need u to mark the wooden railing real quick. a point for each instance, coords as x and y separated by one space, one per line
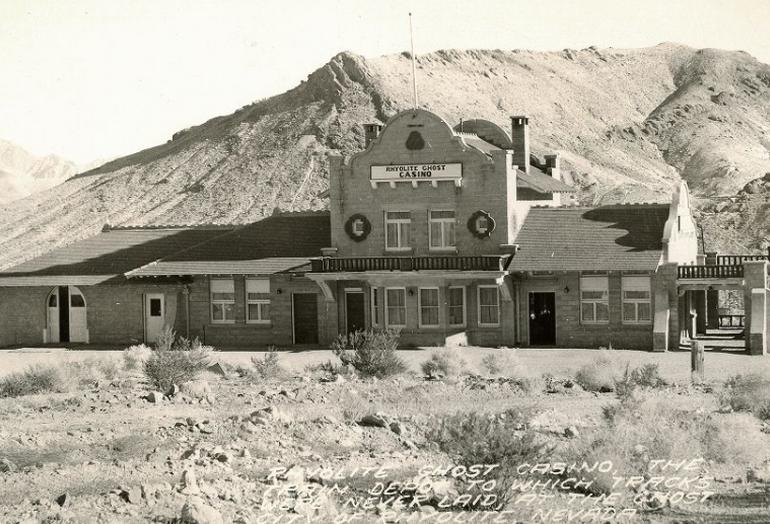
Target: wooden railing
450 263
738 260
731 321
688 272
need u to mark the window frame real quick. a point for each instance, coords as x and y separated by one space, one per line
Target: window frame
256 301
479 305
221 302
399 222
387 308
437 307
625 281
374 297
464 306
443 223
594 301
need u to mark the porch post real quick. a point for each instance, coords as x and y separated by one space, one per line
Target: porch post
712 297
665 329
755 306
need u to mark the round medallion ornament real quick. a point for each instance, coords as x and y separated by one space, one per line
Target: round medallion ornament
481 224
358 227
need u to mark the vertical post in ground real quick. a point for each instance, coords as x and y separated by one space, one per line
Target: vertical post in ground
697 361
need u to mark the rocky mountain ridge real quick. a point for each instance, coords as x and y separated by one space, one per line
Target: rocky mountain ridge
627 123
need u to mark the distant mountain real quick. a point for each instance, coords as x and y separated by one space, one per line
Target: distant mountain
627 122
22 173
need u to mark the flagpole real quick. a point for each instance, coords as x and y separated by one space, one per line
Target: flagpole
414 67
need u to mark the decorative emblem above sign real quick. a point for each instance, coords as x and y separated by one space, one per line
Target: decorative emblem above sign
415 141
414 173
358 227
481 224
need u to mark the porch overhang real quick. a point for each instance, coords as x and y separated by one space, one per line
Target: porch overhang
408 278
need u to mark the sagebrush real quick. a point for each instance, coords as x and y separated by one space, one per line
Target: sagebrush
748 392
33 380
372 353
444 362
177 362
268 366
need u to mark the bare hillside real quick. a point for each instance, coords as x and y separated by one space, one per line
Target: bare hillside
627 122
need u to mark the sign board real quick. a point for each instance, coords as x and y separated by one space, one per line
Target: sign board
415 172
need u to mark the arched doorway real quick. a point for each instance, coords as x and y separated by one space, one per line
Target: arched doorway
66 315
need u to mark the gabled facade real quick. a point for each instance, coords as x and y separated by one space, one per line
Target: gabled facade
424 223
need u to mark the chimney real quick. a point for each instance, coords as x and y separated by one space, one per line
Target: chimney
371 131
553 166
520 141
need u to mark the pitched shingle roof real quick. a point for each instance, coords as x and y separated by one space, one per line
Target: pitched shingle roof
619 237
108 255
275 244
541 182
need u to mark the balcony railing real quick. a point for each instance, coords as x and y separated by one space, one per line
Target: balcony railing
427 263
692 272
738 260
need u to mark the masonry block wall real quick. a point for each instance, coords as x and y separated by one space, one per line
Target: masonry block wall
414 335
22 315
240 334
570 331
484 186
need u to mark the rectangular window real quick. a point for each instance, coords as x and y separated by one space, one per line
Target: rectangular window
456 305
441 229
637 308
489 306
222 301
375 306
594 300
258 300
429 307
397 225
395 306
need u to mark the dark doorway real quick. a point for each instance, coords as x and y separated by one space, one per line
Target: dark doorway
542 319
354 311
305 312
64 314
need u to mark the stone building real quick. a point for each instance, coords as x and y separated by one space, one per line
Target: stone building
447 234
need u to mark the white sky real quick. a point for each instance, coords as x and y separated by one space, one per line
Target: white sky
88 79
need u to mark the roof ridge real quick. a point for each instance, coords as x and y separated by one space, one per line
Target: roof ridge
155 227
604 206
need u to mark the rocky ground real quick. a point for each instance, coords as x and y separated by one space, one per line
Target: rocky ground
310 447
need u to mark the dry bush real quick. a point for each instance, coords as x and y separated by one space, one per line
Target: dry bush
134 357
599 375
269 366
472 438
33 380
736 439
176 363
749 392
444 362
636 432
89 372
372 353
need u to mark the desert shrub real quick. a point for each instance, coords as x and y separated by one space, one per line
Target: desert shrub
749 392
184 360
480 438
268 366
648 376
598 375
89 372
444 362
735 438
135 356
33 380
372 353
491 363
